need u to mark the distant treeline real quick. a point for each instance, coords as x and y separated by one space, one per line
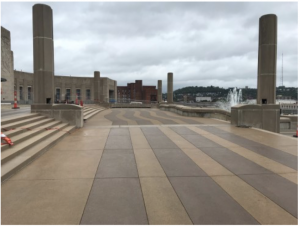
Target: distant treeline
218 93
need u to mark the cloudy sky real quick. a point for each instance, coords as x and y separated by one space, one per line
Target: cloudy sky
202 43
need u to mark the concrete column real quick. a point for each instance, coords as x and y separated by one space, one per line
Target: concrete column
25 90
159 91
170 88
43 54
63 90
83 91
96 86
267 56
115 91
104 91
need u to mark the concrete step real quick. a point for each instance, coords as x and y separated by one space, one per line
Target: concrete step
87 112
91 114
19 122
19 117
27 127
27 135
16 150
12 166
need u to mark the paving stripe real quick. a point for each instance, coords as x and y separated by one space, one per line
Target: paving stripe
154 114
269 152
267 163
187 120
199 119
286 144
121 117
146 113
264 210
115 201
162 204
114 119
137 114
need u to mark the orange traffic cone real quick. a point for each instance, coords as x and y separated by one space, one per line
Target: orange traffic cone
15 101
6 140
296 133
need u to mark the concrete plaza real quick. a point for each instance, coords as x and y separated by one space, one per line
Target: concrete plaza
146 166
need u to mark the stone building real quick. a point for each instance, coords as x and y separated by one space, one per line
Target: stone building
137 92
7 67
66 88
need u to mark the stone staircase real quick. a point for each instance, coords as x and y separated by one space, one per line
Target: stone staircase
91 110
32 135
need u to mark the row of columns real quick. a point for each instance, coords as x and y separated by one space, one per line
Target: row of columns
169 91
44 60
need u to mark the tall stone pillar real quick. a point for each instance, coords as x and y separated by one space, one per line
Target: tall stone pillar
170 88
43 54
267 56
159 91
96 86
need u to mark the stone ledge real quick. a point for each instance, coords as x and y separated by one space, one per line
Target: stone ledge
71 114
197 111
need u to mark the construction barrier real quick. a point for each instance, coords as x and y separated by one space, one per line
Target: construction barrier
15 102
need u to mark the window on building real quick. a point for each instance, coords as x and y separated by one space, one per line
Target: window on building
57 95
29 93
88 94
21 92
68 94
78 94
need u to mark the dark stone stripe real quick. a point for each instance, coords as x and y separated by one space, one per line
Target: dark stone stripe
117 163
269 152
114 119
277 188
130 115
177 163
282 190
183 131
115 201
157 139
146 114
188 121
207 203
118 142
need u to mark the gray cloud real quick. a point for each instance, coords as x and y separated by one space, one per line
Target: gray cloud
202 43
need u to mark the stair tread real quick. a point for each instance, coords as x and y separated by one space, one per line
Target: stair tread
26 155
90 115
17 123
15 148
23 135
89 112
23 116
29 126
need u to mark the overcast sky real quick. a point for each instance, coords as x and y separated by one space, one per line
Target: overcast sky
202 43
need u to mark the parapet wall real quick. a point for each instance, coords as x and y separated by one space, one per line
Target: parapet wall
71 114
266 117
196 111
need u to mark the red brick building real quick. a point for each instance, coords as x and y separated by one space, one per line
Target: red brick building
137 92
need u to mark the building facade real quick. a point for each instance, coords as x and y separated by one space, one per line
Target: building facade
136 92
66 88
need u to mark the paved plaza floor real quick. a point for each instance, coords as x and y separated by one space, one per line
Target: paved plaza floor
146 166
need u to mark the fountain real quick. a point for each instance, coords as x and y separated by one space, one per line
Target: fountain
234 98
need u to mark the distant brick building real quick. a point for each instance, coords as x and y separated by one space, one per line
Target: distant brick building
136 92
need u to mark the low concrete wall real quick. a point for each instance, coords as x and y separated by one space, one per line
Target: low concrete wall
128 105
71 114
266 117
289 121
197 112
